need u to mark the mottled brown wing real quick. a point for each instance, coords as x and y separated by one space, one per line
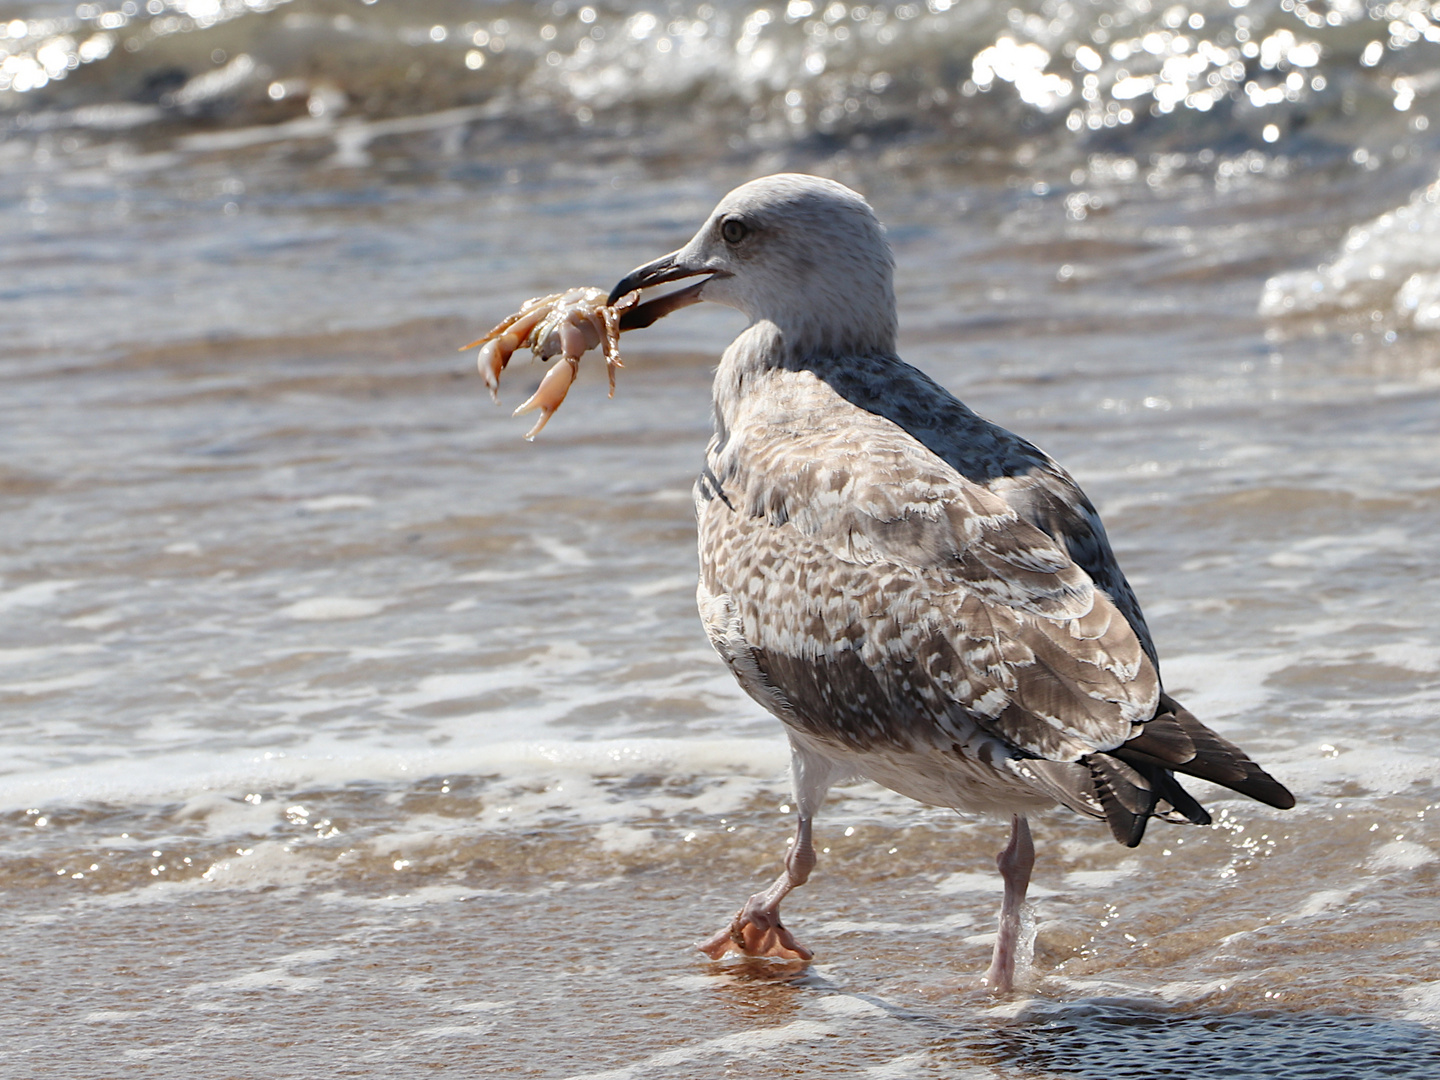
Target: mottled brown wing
888 591
1048 498
1026 478
899 570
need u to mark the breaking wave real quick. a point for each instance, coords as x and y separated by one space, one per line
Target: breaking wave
747 73
1392 262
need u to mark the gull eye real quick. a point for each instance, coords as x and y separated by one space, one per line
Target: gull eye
733 230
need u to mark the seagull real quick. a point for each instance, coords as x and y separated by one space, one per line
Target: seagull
921 597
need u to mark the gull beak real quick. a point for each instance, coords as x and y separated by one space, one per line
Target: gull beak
664 269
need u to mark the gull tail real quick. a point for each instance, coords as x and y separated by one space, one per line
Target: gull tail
1175 740
1134 782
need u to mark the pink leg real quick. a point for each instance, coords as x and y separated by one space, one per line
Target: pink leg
1015 862
756 929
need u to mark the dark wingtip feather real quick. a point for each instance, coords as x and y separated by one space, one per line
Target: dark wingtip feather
1176 740
1134 782
1273 794
1127 797
1180 800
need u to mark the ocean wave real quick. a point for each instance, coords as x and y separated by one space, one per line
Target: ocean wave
1390 263
745 73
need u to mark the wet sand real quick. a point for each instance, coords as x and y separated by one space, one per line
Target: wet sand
562 951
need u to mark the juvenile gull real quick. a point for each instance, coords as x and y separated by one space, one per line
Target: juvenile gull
921 597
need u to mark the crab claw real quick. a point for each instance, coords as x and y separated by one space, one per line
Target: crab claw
551 392
499 344
491 361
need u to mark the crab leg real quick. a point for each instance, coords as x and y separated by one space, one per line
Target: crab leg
610 339
574 341
610 345
530 307
551 392
497 346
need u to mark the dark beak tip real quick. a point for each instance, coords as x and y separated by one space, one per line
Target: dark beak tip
659 272
638 278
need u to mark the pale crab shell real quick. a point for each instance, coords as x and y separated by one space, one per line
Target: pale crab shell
567 325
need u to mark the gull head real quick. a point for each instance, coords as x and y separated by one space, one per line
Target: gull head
803 253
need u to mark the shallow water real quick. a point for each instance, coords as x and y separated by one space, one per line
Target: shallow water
348 732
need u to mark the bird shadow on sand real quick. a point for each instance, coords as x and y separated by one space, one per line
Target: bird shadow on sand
1128 1039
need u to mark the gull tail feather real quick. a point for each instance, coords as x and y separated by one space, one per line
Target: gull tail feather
1125 794
1175 740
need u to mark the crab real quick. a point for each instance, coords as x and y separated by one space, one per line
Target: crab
566 324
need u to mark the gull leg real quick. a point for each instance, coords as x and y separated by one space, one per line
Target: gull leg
1015 863
756 929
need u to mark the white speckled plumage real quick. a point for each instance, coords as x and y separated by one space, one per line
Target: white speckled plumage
920 596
